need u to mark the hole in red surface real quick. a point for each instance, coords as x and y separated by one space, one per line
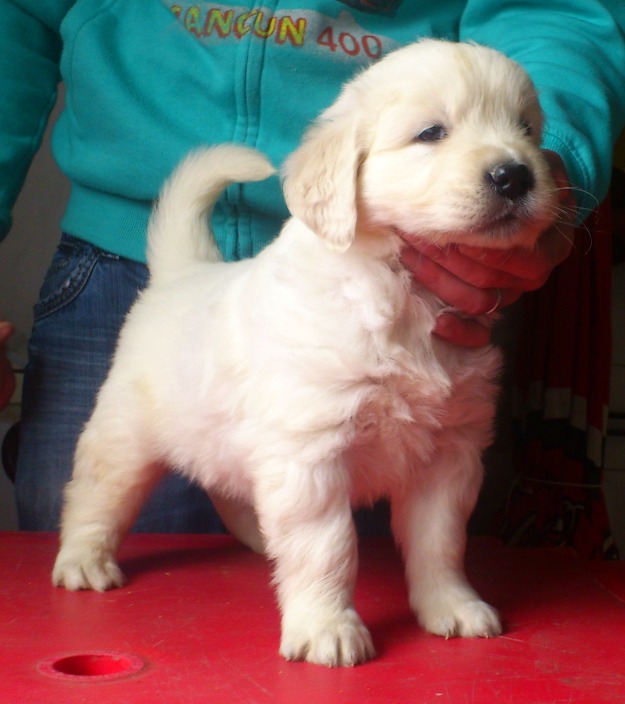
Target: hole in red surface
92 666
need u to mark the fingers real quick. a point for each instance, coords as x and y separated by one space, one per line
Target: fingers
466 297
479 281
465 332
521 269
478 266
470 285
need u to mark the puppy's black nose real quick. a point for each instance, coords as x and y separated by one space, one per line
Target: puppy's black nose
511 180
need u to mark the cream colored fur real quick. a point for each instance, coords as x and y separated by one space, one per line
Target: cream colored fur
306 380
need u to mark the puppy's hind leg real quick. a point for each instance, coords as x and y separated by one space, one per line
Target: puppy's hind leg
112 478
306 520
429 524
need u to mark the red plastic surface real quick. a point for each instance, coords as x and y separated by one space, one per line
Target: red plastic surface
197 622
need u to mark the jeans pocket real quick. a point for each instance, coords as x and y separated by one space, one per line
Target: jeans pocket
67 275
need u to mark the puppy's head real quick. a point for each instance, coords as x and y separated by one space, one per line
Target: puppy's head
437 140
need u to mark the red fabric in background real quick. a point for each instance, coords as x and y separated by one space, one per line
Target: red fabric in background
565 352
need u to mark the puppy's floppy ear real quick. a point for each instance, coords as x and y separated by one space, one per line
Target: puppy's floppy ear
320 180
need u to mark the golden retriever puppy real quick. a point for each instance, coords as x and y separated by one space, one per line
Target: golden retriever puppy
306 381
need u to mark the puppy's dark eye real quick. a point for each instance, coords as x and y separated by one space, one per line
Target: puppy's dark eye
435 133
526 127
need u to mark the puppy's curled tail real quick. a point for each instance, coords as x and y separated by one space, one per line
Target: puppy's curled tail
178 231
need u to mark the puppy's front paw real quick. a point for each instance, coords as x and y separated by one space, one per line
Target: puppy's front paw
90 570
342 640
451 615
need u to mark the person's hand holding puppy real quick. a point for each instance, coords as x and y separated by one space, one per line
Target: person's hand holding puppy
477 280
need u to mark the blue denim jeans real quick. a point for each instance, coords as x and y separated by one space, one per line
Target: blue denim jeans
84 299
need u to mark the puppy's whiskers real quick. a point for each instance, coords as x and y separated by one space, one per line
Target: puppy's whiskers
565 218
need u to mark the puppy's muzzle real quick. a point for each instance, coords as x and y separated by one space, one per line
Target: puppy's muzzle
510 180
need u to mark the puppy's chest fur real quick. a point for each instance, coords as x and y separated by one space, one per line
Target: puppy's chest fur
437 404
405 396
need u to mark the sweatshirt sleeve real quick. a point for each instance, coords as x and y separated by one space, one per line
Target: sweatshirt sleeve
574 51
30 49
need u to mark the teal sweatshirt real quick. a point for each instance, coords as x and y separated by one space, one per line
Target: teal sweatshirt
148 80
